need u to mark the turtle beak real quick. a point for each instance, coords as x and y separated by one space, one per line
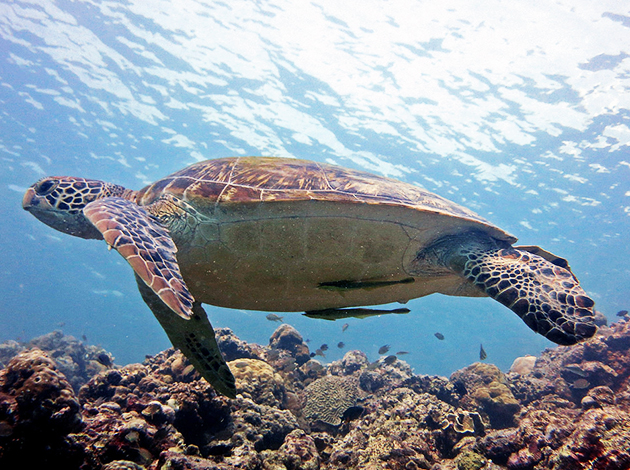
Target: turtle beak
29 200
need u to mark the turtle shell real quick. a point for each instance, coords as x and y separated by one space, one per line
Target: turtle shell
282 234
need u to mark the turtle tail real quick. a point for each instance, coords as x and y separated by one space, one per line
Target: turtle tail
547 297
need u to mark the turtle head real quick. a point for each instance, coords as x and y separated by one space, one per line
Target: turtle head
58 201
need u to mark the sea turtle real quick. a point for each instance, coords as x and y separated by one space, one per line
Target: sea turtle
280 234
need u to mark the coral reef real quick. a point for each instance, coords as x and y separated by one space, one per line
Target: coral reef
76 360
569 408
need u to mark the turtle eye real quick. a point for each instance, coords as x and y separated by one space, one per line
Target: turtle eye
45 187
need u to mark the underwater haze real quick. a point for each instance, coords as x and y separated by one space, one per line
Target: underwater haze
519 111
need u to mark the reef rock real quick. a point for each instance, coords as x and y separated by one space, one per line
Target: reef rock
286 337
488 393
38 411
523 365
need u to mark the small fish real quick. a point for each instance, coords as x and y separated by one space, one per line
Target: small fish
622 313
439 336
344 327
373 365
61 324
6 429
324 347
274 317
273 355
319 352
287 364
482 353
383 349
104 359
577 370
352 413
390 359
581 383
84 338
402 353
341 344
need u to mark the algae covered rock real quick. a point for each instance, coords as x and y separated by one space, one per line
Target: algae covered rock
298 451
469 460
488 393
257 379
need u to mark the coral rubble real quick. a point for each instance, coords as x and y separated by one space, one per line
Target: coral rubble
64 402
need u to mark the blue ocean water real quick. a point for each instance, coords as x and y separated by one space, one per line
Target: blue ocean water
520 114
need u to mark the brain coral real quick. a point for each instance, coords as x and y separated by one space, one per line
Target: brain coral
329 397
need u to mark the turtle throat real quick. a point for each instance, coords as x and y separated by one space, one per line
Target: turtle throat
451 253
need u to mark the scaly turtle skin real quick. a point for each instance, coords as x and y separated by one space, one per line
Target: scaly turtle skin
291 235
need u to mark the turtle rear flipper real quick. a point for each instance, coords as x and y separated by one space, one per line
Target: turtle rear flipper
194 338
146 245
546 296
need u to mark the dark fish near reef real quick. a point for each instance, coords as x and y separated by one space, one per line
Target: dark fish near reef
352 413
439 336
319 352
344 327
577 370
273 354
339 313
274 317
581 384
5 429
390 359
104 359
324 347
622 313
341 344
402 353
383 349
286 364
482 353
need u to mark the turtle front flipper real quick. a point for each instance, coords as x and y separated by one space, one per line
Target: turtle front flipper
547 297
194 338
146 245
